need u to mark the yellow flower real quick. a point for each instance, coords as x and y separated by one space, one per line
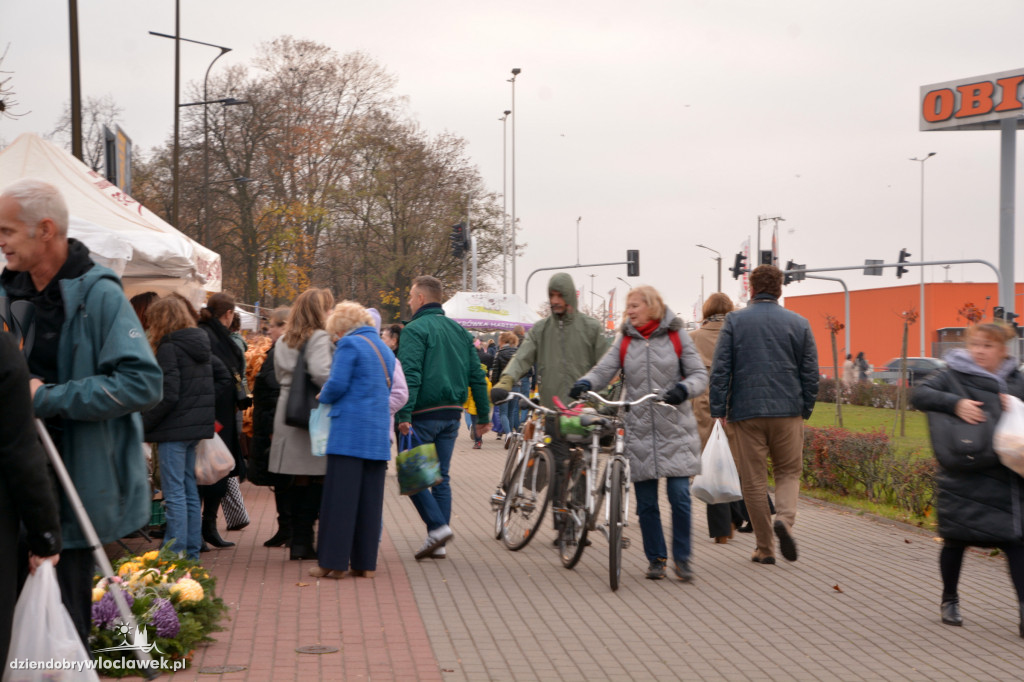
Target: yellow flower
188 590
150 556
97 593
128 567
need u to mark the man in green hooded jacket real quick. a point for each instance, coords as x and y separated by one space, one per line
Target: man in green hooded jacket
564 346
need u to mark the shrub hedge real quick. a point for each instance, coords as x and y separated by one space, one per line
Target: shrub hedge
866 394
865 464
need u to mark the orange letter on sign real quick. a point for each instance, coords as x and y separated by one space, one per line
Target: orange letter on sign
938 105
975 99
1009 87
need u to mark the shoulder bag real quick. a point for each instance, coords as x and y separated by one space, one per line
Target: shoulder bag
302 394
959 446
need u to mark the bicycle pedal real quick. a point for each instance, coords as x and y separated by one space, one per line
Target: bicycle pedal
497 500
625 543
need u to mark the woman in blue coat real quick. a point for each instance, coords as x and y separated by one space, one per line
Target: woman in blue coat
359 445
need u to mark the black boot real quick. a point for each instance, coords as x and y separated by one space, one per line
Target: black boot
283 536
305 509
1021 630
211 535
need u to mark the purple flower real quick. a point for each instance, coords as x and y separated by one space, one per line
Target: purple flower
165 619
105 610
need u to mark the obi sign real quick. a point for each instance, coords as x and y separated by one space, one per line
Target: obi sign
978 103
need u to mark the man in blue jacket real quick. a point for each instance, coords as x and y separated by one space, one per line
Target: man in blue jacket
764 380
92 372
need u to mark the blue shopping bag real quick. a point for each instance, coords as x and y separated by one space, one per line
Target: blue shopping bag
417 465
319 429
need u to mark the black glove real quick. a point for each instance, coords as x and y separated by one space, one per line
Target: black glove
579 388
498 394
677 394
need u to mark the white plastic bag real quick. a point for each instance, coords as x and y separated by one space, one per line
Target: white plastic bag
717 481
214 460
43 636
1008 441
320 429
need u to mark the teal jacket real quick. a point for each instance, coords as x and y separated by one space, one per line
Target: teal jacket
441 366
107 375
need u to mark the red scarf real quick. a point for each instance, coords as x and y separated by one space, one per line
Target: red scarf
647 329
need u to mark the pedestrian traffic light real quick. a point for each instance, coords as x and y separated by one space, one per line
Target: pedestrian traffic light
632 263
788 275
766 257
904 255
739 267
459 239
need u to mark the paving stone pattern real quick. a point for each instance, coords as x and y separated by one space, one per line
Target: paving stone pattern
486 613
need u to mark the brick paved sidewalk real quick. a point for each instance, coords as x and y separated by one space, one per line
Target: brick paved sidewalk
489 614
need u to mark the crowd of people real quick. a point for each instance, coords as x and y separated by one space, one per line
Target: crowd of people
105 375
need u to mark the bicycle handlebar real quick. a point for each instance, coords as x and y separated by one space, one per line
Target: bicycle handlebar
525 399
623 403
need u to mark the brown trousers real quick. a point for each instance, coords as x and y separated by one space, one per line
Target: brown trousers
753 442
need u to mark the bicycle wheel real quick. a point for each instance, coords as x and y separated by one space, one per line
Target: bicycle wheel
527 499
507 474
573 538
616 520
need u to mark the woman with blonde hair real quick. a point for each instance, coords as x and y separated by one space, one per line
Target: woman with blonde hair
290 450
182 418
358 447
661 441
978 505
509 343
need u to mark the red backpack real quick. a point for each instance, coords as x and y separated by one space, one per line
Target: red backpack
624 346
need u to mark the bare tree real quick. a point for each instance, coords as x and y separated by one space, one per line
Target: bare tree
96 113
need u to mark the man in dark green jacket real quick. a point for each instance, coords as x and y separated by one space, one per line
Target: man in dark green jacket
564 346
441 367
92 373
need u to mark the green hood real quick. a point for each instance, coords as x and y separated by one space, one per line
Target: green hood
563 284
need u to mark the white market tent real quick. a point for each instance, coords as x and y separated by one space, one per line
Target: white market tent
146 251
484 311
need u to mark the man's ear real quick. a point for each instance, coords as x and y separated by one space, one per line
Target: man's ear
46 230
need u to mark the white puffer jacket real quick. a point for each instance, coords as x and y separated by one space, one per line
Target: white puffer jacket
661 440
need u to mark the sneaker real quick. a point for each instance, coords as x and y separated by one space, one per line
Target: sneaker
787 546
656 571
683 571
439 553
435 538
477 445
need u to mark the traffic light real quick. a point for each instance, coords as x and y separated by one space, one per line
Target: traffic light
632 263
904 255
788 275
739 267
766 257
460 240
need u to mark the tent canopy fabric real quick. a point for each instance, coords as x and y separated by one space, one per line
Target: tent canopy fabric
484 311
123 234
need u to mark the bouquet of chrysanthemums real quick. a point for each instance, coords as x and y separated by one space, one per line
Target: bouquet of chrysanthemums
172 601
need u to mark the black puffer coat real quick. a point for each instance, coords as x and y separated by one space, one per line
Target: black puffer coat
984 508
232 360
186 411
501 359
265 391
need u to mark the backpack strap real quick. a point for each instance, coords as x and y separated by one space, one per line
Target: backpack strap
673 334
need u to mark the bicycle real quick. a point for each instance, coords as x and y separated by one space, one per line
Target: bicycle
521 498
582 494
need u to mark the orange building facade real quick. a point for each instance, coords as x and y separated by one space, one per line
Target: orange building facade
876 327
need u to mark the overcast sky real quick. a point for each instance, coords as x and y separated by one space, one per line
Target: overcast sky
662 124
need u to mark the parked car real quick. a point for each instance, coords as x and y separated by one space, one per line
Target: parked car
918 369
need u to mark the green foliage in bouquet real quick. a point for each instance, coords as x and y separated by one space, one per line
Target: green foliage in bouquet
172 600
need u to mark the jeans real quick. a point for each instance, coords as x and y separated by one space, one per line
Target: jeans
650 517
435 504
506 416
521 411
181 497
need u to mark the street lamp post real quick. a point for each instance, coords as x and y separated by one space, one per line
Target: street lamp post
719 259
177 106
624 282
504 203
924 353
512 236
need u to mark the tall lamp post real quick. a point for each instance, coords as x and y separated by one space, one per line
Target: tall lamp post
924 353
504 203
512 236
206 142
719 259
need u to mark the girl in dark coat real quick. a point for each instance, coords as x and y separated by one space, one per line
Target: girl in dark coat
182 418
215 319
983 508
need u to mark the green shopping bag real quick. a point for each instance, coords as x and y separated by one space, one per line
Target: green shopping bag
418 466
